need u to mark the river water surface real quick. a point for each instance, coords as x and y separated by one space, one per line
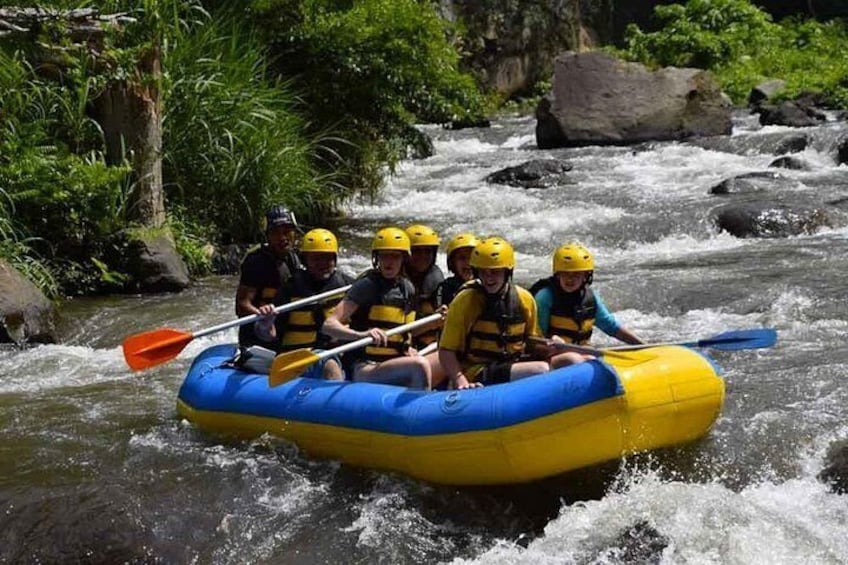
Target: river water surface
96 467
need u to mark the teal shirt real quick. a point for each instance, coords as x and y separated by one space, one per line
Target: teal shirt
604 320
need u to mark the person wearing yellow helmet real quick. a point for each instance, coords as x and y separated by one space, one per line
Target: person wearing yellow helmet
489 323
425 275
301 328
569 309
459 264
264 270
381 299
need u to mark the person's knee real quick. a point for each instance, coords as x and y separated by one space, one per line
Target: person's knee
565 359
423 372
332 371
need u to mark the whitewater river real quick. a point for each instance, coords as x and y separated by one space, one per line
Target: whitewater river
95 466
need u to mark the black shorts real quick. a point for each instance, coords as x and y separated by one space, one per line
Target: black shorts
495 373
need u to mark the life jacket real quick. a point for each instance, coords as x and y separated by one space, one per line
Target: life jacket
448 289
285 268
500 331
301 328
392 307
572 313
274 274
426 293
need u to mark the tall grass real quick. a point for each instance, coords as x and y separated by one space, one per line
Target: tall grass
234 143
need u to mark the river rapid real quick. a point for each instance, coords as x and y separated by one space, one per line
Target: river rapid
95 466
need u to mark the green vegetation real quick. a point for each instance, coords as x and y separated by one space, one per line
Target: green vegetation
243 127
743 47
368 70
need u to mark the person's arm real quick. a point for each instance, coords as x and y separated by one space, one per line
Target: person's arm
453 369
336 326
628 336
244 301
265 328
607 323
537 347
452 341
544 300
249 284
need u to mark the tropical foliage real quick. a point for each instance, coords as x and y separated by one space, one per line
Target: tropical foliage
367 71
743 47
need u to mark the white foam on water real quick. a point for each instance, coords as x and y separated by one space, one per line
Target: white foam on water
518 141
387 518
455 149
797 521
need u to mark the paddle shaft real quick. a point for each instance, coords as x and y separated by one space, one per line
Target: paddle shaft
278 310
369 340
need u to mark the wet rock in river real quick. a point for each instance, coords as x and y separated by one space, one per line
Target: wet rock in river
842 151
538 173
791 114
26 315
835 473
748 183
764 219
790 162
792 144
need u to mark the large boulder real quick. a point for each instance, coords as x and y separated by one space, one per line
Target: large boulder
26 315
153 262
764 219
599 100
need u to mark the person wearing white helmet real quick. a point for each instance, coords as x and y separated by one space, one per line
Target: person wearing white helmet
569 308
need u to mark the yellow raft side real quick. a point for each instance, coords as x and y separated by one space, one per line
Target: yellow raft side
672 396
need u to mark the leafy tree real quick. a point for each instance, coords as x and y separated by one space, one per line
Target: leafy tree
368 70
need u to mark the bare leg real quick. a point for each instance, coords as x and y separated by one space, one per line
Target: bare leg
411 372
332 371
568 358
437 373
528 369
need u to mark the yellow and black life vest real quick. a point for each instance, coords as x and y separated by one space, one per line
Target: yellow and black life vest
262 270
426 304
391 306
300 328
572 313
500 331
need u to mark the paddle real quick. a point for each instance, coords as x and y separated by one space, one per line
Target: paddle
155 347
728 341
289 365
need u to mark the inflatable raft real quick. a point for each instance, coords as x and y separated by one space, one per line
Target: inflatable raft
529 429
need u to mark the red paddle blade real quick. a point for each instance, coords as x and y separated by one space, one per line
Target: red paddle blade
152 348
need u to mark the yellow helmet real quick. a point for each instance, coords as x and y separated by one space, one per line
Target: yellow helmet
391 239
422 236
462 241
319 241
572 257
493 253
